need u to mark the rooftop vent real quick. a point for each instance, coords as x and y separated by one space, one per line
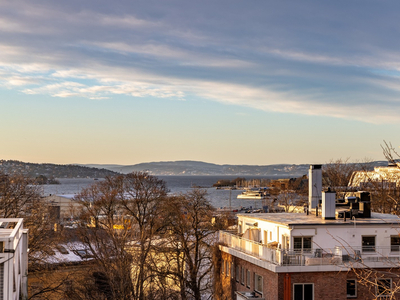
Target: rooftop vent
328 205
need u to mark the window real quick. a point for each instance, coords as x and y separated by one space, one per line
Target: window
248 279
395 243
383 287
302 243
237 273
303 291
351 288
83 253
368 243
227 269
223 267
242 277
62 249
258 283
232 270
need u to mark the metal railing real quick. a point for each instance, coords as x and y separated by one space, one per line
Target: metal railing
341 255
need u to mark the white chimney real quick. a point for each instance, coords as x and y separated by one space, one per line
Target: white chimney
314 185
328 204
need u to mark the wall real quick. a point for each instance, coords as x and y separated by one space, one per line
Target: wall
327 285
230 285
327 237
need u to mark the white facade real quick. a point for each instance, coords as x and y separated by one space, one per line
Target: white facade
289 242
388 175
66 206
13 259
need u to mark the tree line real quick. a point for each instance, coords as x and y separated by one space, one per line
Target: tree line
142 243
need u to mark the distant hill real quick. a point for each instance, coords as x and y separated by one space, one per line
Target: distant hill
52 170
185 167
202 168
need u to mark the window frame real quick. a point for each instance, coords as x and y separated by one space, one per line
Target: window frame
355 288
256 282
237 277
302 249
394 246
386 292
368 248
303 284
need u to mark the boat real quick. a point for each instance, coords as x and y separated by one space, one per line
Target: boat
261 193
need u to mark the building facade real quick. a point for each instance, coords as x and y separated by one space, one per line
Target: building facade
335 251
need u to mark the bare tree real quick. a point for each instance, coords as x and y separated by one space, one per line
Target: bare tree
188 218
289 199
391 154
338 174
123 215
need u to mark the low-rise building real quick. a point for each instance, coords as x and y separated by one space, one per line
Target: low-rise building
64 208
322 254
386 177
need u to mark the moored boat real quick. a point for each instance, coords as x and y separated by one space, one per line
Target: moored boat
261 193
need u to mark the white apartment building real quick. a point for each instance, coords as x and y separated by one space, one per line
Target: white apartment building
319 255
13 259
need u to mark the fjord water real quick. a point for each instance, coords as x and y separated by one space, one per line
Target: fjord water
176 185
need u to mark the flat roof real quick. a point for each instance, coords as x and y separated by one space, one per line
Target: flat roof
289 219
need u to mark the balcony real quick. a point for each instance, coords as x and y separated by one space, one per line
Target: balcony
309 257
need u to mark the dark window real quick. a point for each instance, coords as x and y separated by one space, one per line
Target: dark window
395 243
383 287
62 249
223 267
83 253
237 273
258 283
303 291
302 243
368 243
242 277
248 279
351 288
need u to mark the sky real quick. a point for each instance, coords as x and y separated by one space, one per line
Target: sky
226 82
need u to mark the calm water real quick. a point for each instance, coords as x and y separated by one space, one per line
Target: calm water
176 184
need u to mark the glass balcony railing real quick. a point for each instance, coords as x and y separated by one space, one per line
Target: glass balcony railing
309 257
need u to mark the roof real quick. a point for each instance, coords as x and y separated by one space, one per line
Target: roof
68 196
73 252
293 219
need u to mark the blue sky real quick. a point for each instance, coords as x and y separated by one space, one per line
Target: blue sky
227 82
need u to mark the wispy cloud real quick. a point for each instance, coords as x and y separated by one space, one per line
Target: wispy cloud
246 55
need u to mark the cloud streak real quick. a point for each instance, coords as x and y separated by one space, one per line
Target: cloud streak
312 65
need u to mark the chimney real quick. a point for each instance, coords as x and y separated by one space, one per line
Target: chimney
365 203
314 185
328 205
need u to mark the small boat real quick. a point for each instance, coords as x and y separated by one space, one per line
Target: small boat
254 194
